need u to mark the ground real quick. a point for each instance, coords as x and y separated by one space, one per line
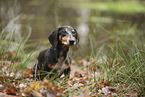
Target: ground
82 83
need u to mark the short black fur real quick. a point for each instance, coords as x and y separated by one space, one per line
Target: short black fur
51 61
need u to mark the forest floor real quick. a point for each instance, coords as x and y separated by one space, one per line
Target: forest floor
84 81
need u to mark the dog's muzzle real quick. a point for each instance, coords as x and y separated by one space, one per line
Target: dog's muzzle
71 42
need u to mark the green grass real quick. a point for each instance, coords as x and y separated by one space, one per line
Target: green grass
14 52
123 67
118 62
122 61
125 70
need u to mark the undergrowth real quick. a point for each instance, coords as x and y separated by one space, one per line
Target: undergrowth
114 69
125 70
121 63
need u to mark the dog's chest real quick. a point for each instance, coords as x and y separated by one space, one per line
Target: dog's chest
61 64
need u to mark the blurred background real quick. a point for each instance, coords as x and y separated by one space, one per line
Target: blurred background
100 23
111 48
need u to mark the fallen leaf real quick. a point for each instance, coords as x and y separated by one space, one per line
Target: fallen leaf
30 73
55 88
11 92
28 90
106 83
36 94
34 86
113 89
48 84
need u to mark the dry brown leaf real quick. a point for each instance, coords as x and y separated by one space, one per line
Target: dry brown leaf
30 73
113 89
106 83
59 94
11 92
55 88
2 78
37 85
36 94
28 90
11 86
77 74
34 86
5 95
48 84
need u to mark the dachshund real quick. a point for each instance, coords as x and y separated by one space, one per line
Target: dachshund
55 61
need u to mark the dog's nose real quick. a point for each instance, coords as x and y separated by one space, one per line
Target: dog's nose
71 42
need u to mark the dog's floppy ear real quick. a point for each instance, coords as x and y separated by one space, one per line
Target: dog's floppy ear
77 39
53 38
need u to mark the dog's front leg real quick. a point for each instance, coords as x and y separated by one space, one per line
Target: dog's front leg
67 72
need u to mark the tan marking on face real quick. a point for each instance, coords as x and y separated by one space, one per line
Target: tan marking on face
65 40
73 30
66 29
60 37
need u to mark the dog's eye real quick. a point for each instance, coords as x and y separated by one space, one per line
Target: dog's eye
74 33
63 33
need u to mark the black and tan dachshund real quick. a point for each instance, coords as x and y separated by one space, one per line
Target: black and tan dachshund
55 60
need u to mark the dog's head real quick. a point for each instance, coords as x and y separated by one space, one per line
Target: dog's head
66 35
